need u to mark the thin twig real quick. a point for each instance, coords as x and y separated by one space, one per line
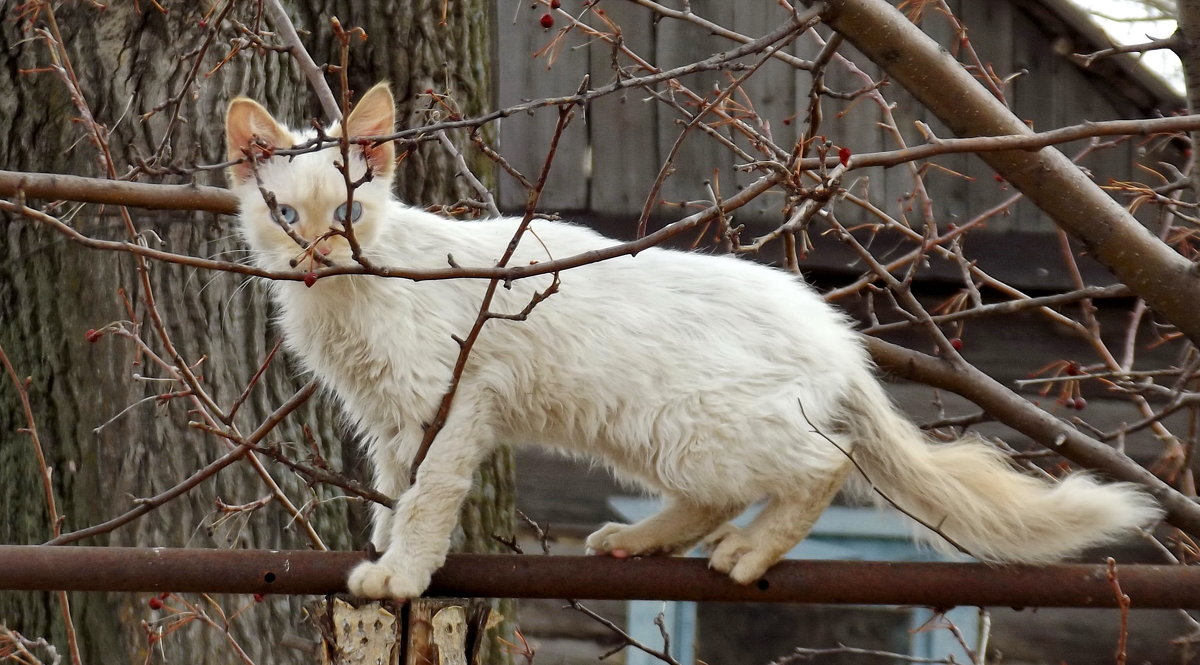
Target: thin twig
460 163
148 504
52 514
466 344
883 495
627 639
312 71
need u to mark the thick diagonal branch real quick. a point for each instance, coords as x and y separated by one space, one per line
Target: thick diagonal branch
1166 280
1018 413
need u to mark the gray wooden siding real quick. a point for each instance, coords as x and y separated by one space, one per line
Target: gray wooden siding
610 155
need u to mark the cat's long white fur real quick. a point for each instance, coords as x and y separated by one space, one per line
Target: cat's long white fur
684 373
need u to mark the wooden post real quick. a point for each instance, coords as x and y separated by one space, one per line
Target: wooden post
437 632
425 631
369 634
448 631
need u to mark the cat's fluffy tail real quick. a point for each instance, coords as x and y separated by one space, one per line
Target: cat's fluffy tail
967 491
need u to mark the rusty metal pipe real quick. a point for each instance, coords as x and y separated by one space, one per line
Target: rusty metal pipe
534 576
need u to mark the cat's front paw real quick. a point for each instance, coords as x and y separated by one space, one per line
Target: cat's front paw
380 579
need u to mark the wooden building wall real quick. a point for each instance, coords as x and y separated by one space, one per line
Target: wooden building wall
610 157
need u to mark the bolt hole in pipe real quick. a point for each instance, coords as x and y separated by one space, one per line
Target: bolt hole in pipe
763 585
269 577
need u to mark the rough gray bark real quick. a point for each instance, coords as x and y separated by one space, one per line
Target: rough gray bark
51 292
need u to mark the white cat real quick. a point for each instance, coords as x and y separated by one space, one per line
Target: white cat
683 372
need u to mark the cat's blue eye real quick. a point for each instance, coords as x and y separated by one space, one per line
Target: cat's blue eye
355 212
288 214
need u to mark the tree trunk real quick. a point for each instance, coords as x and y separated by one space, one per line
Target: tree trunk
130 59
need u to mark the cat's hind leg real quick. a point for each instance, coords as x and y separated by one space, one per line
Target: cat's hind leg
676 528
745 554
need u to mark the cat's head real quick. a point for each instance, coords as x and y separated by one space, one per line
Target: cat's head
309 189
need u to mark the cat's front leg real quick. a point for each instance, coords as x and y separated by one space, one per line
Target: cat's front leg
426 514
391 479
381 525
419 541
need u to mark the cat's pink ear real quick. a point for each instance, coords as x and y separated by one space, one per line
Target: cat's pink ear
375 115
245 121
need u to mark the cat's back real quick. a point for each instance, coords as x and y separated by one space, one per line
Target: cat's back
655 287
483 242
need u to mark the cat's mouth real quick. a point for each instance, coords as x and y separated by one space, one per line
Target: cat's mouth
321 251
316 254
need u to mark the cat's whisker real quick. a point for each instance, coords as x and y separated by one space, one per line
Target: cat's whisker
237 291
230 253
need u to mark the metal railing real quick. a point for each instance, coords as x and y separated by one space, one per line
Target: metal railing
941 585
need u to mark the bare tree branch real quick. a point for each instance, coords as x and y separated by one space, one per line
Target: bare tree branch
1154 271
1018 413
312 71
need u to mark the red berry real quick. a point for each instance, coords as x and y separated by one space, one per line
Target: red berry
547 21
957 343
203 24
310 278
155 604
844 156
1073 368
1080 404
92 335
555 4
258 598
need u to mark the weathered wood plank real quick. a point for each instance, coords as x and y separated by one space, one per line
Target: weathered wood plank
623 128
369 634
700 158
990 28
854 124
524 139
1034 97
946 182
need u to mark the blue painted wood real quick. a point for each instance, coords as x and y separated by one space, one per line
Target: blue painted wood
841 533
679 618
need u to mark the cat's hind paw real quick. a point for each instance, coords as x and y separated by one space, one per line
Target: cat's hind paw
735 554
377 579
